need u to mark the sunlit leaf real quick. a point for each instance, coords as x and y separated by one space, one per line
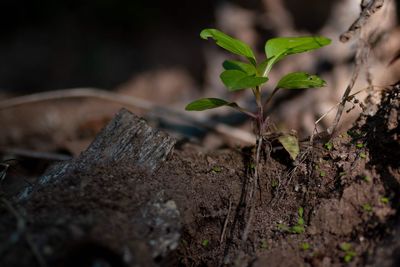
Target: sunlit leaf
290 144
238 65
283 46
261 68
278 48
237 80
229 43
207 103
300 80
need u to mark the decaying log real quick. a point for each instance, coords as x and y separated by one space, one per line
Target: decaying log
108 205
126 138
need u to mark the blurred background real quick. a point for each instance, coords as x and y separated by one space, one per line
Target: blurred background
151 51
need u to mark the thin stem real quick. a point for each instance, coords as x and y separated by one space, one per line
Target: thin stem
248 113
270 97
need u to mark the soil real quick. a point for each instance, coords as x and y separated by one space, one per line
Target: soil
348 188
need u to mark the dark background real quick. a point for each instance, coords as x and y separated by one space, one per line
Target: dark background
51 44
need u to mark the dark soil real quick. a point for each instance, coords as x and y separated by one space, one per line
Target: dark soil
348 187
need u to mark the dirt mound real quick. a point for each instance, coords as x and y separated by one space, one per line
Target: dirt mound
333 206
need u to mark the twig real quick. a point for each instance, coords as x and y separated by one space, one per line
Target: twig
226 222
35 154
367 9
21 226
360 58
220 128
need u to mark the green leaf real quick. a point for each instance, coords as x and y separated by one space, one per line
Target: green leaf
237 80
278 48
238 65
290 144
284 46
207 103
261 68
300 80
229 43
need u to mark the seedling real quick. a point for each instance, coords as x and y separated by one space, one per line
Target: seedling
216 169
264 244
367 207
328 146
305 246
363 155
359 145
367 178
299 227
349 253
205 243
384 200
253 74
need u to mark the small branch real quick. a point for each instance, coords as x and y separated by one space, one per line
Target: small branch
367 9
239 108
226 222
360 58
270 97
125 100
35 154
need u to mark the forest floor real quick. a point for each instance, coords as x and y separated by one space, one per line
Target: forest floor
335 205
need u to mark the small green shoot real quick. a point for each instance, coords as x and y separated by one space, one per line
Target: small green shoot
305 246
362 155
349 253
253 74
322 173
283 227
216 169
359 145
205 243
328 146
367 207
274 183
299 227
264 244
384 200
367 178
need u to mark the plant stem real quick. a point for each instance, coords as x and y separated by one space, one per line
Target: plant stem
254 181
270 97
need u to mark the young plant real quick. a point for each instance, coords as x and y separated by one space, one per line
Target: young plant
253 74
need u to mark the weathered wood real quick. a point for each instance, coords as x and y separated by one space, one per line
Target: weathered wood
111 198
126 138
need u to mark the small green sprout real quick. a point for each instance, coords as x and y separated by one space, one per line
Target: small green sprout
253 74
264 244
367 207
322 173
216 169
274 183
349 253
283 227
367 178
359 145
299 227
328 146
205 243
363 155
384 200
305 246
